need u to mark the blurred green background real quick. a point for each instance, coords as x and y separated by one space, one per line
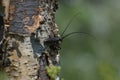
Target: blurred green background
85 58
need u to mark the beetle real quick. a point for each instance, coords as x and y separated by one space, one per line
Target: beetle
54 42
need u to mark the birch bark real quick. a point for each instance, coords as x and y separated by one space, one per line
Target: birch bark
29 23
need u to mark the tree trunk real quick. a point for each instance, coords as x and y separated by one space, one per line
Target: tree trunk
29 24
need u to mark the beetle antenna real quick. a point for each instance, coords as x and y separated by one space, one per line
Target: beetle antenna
69 23
69 34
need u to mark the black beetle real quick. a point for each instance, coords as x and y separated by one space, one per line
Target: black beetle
54 42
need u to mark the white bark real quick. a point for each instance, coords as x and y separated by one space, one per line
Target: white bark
25 55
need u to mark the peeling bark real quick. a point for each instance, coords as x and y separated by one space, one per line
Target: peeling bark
37 19
30 23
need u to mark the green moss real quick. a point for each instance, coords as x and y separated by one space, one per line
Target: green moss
53 71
